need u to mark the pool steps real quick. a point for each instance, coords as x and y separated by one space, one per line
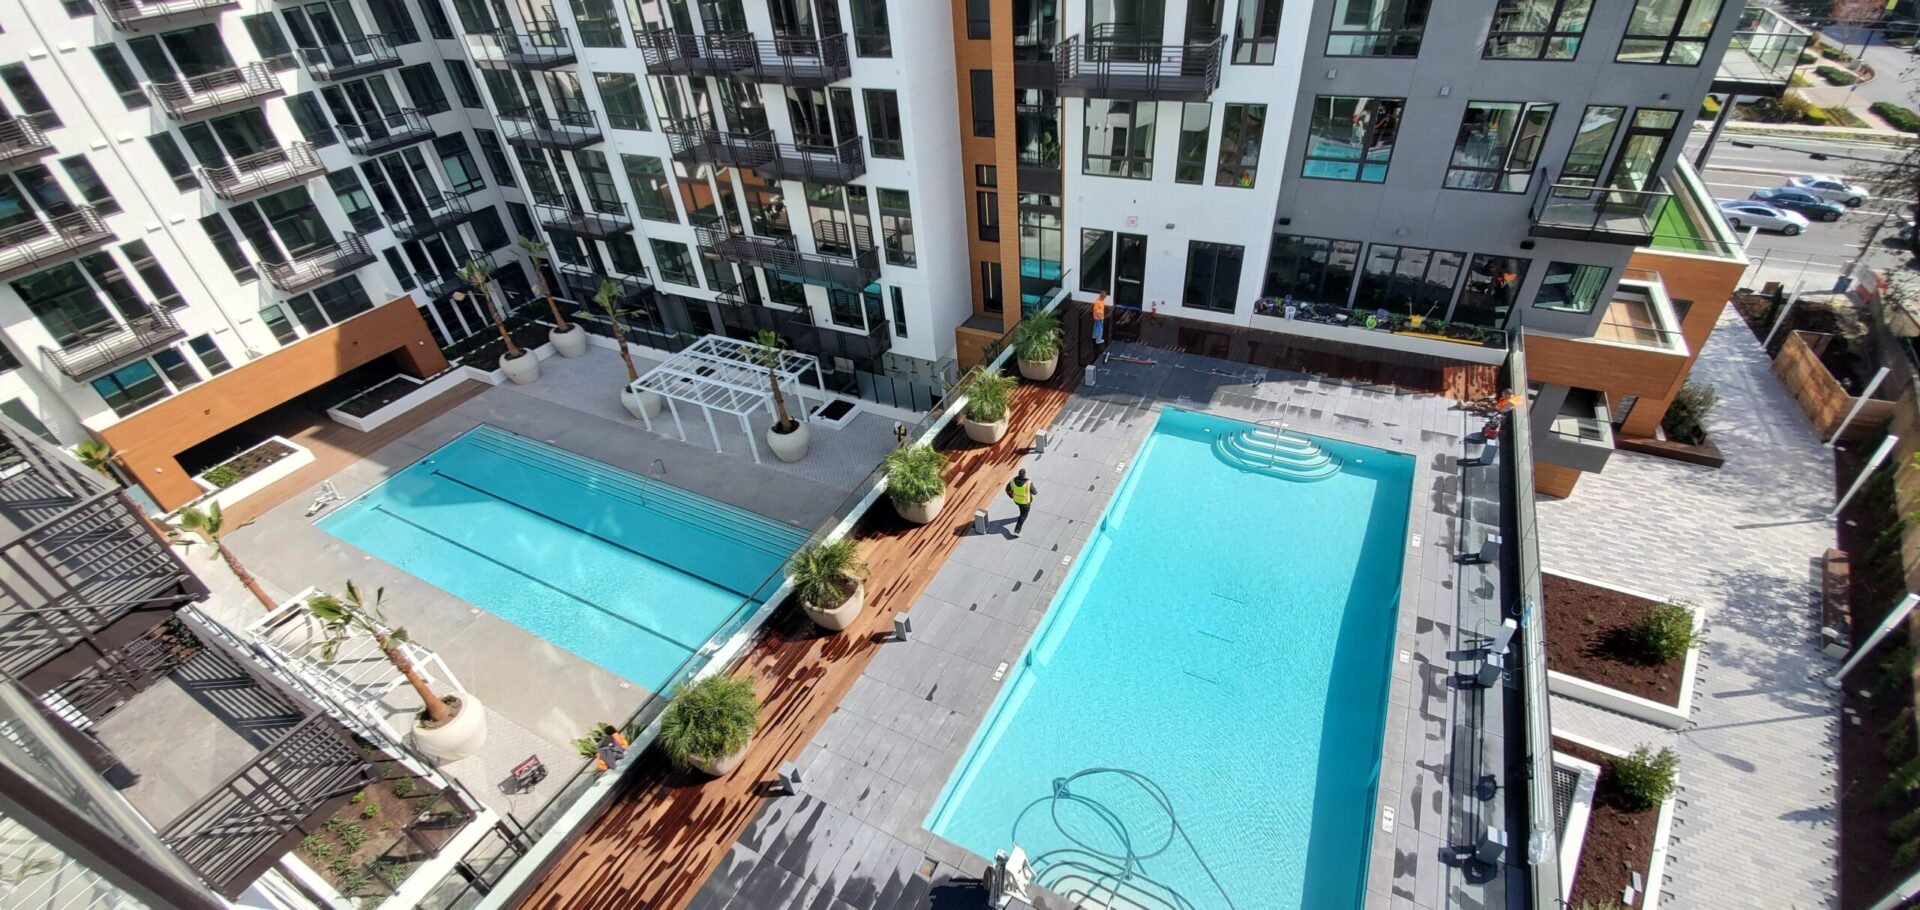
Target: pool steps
1276 453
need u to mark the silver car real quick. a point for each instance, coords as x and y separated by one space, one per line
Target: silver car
1829 187
1745 213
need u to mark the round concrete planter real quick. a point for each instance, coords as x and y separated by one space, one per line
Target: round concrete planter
458 738
789 447
641 404
985 433
570 343
921 512
1038 370
725 763
522 369
843 615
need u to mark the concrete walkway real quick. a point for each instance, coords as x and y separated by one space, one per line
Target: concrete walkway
1756 819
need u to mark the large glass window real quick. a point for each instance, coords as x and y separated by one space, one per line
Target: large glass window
463 85
599 23
871 36
884 137
981 84
1040 244
205 348
91 187
1537 29
26 92
1376 28
1587 158
598 177
489 142
1492 284
1119 139
463 173
1240 135
992 299
987 214
310 120
121 77
676 263
64 303
621 94
652 191
423 86
1637 165
1352 138
221 236
1408 281
131 387
1096 260
1256 31
1571 288
1196 122
165 295
766 206
1310 270
979 19
1673 32
1213 276
1498 146
896 227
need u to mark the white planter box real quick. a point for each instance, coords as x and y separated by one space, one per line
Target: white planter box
422 393
254 483
497 376
1392 341
1653 712
1662 829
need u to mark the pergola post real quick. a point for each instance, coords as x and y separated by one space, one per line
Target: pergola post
747 430
676 418
711 428
643 410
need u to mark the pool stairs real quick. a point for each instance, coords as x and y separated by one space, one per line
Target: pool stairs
1089 880
1270 449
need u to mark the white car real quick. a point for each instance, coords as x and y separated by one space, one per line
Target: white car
1833 188
1745 213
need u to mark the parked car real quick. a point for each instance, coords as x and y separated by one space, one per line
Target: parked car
1798 200
1829 187
1743 213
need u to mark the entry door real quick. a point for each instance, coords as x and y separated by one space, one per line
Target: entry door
1129 270
1643 149
812 119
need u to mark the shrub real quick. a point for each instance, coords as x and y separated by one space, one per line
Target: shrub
1799 80
403 787
1788 108
1645 778
1902 118
989 395
1836 76
1037 337
371 810
1666 634
1833 53
351 835
221 476
915 474
1686 418
1900 782
1807 57
709 720
1840 116
1591 904
824 573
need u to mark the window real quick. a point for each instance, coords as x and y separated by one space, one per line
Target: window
1571 288
1257 33
899 311
462 171
165 295
92 188
896 227
399 267
423 86
64 303
1096 260
1637 165
224 243
1213 276
496 159
599 24
1498 146
981 82
884 138
75 9
175 365
991 298
279 325
1041 239
9 362
27 92
121 76
676 264
1492 284
1537 29
522 219
463 87
1376 28
208 351
620 92
987 206
1408 281
269 40
1672 32
131 387
393 20
311 121
1196 121
1351 138
436 16
1119 139
871 35
652 191
978 17
1240 134
625 255
16 409
598 179
986 175
107 276
343 299
1310 270
845 309
488 230
1587 158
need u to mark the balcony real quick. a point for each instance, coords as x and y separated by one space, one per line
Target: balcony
567 218
580 283
1110 65
1766 47
799 329
216 92
540 48
134 15
319 266
387 133
760 151
534 129
1576 431
1641 316
21 142
263 172
855 270
36 245
670 53
350 59
436 214
796 61
1567 211
101 352
451 280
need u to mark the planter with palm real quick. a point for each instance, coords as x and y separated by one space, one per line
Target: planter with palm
989 398
916 482
709 724
448 728
787 437
1036 345
826 580
520 365
569 340
640 403
208 524
98 456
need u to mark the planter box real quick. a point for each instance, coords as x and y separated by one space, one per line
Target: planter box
1706 454
496 375
1673 717
422 393
1406 341
1662 830
1820 395
260 480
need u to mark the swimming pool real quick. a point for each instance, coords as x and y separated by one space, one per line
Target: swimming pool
623 570
1223 646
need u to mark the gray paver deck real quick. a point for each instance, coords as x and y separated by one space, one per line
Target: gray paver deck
1755 823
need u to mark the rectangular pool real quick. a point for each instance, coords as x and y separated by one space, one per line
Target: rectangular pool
1202 709
623 570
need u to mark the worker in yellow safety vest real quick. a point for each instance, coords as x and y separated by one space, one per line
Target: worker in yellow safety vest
1021 491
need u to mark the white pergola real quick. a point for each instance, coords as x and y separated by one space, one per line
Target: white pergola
727 375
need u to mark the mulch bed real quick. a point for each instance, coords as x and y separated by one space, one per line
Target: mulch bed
1619 841
378 397
483 349
1850 355
252 461
363 850
1590 636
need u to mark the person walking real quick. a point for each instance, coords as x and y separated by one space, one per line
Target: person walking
1021 491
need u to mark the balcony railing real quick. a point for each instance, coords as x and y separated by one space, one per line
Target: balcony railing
1641 315
436 214
321 265
88 357
34 246
855 270
452 280
580 283
349 59
535 129
541 47
264 172
133 15
567 218
796 61
1565 211
21 141
1109 65
221 90
1765 49
796 326
387 133
670 53
760 151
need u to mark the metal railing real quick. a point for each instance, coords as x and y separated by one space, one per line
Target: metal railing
564 215
1542 844
839 163
39 244
434 214
261 171
350 252
794 60
21 140
347 59
131 15
451 280
535 128
1110 64
85 357
219 90
1571 211
387 133
1765 49
669 53
1339 314
541 46
856 269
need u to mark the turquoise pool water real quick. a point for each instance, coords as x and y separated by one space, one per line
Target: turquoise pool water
1224 643
623 570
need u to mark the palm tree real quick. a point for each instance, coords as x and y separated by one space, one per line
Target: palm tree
343 617
475 273
96 455
537 251
208 524
769 355
603 298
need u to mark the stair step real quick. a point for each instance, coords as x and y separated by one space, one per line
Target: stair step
1254 452
1277 454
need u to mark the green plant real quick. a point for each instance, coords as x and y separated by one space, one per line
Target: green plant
96 455
354 881
709 720
391 871
1840 116
1901 117
1686 418
537 251
1645 778
403 787
358 798
1900 782
340 866
1665 634
370 810
221 476
767 352
1833 53
1037 337
1799 80
1836 76
1905 826
344 617
824 573
1709 108
604 299
589 745
317 847
1907 853
989 395
1896 672
1899 735
915 474
1807 57
351 835
1789 108
476 274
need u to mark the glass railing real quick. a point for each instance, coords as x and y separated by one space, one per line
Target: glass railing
1765 49
1574 211
1641 315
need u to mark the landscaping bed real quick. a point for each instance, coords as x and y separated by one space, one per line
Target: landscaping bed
483 349
364 851
379 396
1619 840
1850 356
1590 635
246 464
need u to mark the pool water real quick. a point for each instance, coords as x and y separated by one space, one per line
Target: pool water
625 571
1223 645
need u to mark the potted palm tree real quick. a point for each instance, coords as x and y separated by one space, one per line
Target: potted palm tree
989 396
521 366
639 403
709 724
208 525
569 340
826 579
787 437
448 728
916 482
1036 345
96 455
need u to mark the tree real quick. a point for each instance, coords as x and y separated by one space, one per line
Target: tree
474 273
344 617
769 356
537 251
96 455
1899 178
604 298
208 525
